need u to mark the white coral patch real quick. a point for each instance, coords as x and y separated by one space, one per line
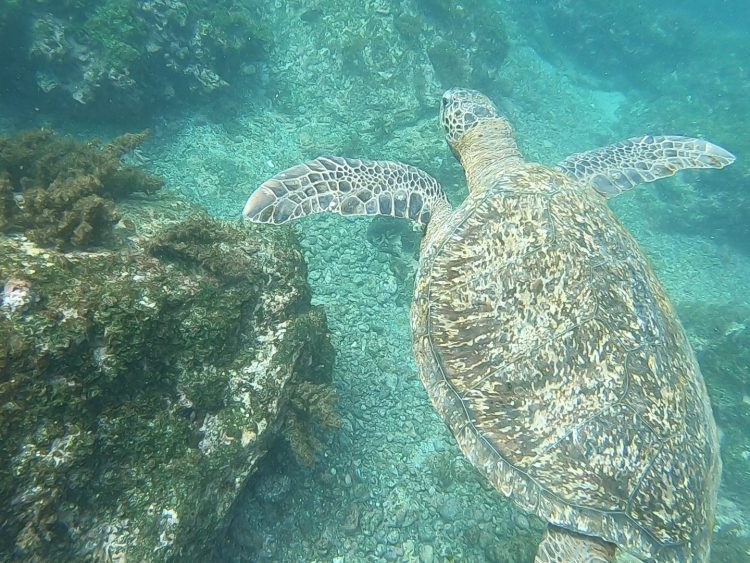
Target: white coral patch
211 430
258 375
16 294
112 541
168 521
248 436
146 302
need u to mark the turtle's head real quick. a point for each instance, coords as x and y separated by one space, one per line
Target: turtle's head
480 138
461 110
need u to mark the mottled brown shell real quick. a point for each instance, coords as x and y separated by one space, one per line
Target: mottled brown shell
550 349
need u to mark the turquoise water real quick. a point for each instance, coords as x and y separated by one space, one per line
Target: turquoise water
364 80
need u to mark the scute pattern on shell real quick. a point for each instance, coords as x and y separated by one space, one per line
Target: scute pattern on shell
551 351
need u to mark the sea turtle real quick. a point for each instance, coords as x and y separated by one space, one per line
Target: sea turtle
542 335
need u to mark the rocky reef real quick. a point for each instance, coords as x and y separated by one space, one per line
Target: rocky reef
141 382
116 55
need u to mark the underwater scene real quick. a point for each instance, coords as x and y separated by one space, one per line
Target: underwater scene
388 280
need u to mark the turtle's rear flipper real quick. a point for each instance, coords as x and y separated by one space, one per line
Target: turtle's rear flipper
348 187
617 168
563 546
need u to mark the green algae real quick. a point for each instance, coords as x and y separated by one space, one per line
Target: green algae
61 192
115 31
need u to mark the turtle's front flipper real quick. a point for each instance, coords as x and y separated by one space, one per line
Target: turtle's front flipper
617 168
348 187
563 546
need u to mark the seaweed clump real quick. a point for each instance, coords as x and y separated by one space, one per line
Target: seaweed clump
61 192
312 405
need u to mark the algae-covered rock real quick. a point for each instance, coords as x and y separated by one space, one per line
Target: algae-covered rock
139 387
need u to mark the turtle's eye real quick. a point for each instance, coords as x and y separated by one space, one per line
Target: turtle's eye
481 111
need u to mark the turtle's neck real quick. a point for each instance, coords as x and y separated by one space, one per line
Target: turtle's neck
488 150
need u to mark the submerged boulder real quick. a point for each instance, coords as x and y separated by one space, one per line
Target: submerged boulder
140 385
